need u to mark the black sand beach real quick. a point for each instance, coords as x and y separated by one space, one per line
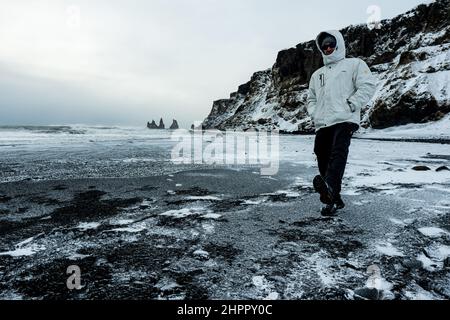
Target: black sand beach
209 234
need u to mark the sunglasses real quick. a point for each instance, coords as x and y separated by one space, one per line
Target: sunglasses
328 45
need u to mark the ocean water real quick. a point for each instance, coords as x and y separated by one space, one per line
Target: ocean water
78 151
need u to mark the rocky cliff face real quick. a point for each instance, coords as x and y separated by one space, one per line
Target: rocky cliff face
409 55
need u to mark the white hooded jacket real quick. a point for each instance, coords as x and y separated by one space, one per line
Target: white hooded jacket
340 89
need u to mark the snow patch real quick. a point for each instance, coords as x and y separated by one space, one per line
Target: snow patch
204 198
433 232
84 226
27 251
388 249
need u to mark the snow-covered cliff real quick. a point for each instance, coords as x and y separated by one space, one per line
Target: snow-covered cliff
409 55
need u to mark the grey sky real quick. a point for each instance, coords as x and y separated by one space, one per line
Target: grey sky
128 61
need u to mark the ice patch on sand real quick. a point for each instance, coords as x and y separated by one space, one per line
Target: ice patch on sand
427 263
389 250
287 193
419 293
131 229
24 242
209 228
397 221
26 251
84 226
361 202
147 202
272 296
78 256
321 266
203 198
438 252
186 212
201 253
433 232
254 202
211 216
351 192
261 284
25 248
122 222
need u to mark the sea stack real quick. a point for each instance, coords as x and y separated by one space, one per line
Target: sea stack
174 125
161 124
152 125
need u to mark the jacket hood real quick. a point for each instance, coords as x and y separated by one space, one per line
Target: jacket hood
339 52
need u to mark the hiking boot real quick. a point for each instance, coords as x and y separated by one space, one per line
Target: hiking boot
339 203
329 210
322 188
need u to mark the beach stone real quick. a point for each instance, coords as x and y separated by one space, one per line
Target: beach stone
421 168
447 262
412 264
367 293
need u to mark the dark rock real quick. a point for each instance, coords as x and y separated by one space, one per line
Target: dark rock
367 294
161 124
404 109
174 125
447 262
4 199
152 125
443 168
409 56
412 264
421 168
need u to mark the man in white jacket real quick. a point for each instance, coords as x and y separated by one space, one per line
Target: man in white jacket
337 93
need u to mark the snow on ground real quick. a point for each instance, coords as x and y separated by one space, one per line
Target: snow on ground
433 130
231 233
433 232
386 166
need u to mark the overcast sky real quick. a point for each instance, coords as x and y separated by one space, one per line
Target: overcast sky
128 61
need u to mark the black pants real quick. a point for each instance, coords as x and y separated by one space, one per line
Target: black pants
331 147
